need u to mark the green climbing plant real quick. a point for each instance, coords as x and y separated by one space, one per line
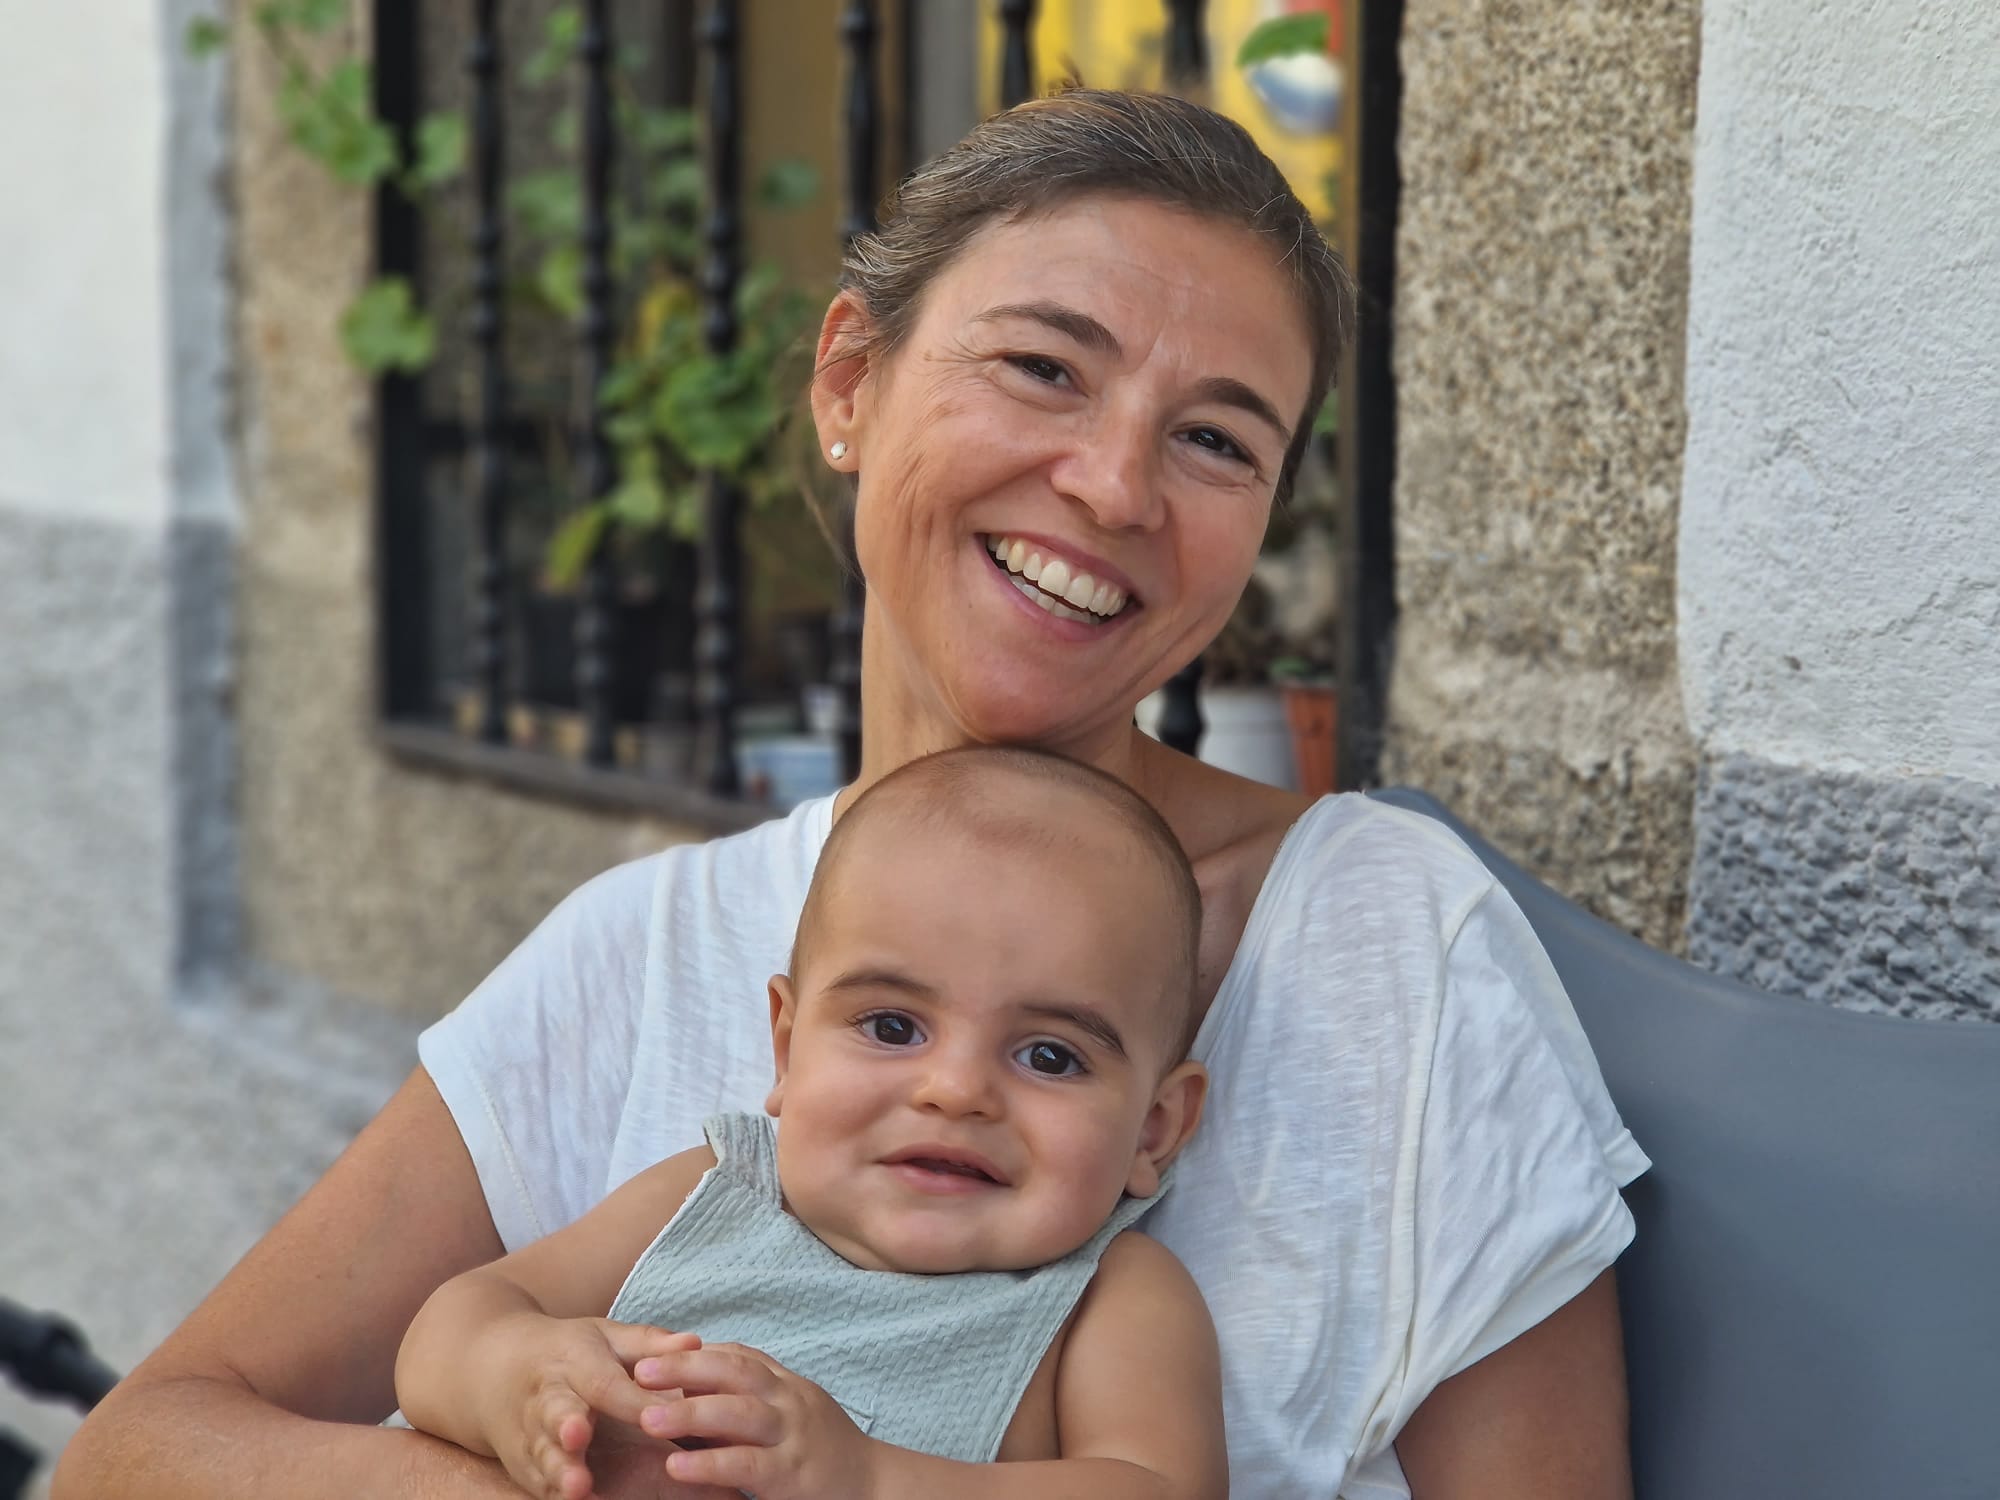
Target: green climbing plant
671 408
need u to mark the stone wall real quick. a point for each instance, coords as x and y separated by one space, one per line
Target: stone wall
1540 313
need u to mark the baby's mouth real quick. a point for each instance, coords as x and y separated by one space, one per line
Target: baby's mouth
948 1161
1062 588
952 1168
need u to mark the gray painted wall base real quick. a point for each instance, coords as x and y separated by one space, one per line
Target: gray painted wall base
1871 893
116 750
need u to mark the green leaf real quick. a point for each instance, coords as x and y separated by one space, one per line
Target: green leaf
660 132
559 278
440 151
312 16
640 501
549 204
684 510
787 184
716 413
205 36
317 15
574 544
383 329
678 185
561 33
1284 36
1326 422
332 120
759 284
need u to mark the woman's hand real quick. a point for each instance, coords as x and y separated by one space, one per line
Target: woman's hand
762 1428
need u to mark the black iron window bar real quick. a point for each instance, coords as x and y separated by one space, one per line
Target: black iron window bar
406 665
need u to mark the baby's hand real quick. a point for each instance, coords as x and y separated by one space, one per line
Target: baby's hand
581 1371
762 1428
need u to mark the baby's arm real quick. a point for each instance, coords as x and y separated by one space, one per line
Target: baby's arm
1138 1404
511 1359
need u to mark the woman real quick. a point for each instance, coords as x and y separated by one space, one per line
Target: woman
1079 360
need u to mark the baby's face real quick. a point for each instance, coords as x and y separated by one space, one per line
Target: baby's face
969 1066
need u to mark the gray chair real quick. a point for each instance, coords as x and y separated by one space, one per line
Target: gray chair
1812 1306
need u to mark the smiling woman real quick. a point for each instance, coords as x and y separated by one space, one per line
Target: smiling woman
1080 351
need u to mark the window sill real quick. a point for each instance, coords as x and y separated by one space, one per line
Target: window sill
549 777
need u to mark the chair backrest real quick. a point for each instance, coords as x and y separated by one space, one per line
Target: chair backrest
1812 1305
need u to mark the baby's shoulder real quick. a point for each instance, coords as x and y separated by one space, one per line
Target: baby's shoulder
1138 1278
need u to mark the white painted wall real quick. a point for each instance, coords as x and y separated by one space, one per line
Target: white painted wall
1839 569
84 400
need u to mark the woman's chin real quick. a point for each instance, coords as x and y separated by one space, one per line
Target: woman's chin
1033 714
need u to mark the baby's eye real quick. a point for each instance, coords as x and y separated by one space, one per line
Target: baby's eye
891 1029
1052 1058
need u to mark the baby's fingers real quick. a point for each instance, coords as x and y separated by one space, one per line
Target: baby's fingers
716 1419
559 1434
750 1469
632 1342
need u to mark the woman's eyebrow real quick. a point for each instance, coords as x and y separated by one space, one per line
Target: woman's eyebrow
1223 390
1069 321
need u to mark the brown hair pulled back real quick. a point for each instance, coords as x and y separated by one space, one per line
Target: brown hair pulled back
1085 143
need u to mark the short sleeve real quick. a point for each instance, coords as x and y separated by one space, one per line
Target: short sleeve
1520 1154
535 1064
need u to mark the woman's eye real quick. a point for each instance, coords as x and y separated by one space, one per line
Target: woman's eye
1216 441
890 1029
1051 1058
1038 367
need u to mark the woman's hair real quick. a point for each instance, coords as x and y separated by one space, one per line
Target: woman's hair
1085 143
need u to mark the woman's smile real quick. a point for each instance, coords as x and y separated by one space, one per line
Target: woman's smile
1068 590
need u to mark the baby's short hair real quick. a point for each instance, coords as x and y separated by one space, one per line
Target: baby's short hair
944 790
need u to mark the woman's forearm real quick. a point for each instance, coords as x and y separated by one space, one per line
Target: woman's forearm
199 1438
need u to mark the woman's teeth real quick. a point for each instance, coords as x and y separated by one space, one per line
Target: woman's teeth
1067 593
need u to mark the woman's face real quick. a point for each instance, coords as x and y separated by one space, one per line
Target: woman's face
1109 388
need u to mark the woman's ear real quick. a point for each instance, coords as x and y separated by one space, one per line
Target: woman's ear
781 1040
1175 1111
840 385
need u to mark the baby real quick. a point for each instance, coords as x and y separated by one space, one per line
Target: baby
927 1265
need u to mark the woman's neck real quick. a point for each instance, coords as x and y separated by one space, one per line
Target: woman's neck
902 720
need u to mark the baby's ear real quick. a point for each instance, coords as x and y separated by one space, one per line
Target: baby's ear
781 1040
1170 1122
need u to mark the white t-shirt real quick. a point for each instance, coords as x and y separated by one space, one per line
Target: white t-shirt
1407 1159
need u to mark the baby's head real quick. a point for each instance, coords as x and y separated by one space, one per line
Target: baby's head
982 1041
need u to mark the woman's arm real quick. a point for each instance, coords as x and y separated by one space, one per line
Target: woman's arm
254 1394
1541 1418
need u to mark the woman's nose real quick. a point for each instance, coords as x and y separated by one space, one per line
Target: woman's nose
1111 472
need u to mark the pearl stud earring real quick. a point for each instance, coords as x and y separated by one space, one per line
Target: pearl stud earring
837 452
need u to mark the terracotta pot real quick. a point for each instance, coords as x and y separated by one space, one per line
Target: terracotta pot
1312 712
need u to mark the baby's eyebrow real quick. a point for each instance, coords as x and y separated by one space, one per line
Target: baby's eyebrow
1091 1023
881 979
